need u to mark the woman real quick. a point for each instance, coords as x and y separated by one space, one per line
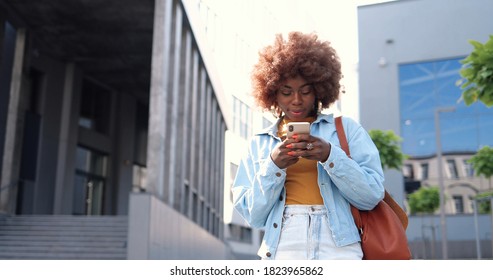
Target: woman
299 189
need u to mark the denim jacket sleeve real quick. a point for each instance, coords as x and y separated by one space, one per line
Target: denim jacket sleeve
359 178
258 183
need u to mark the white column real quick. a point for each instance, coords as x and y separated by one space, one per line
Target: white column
156 149
11 149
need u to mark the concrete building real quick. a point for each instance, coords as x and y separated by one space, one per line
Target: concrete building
110 110
459 180
409 62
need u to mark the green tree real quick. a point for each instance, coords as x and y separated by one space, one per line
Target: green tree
482 162
484 205
388 145
426 200
477 74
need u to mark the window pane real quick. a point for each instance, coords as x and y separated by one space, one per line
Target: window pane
452 169
459 204
468 170
82 159
423 88
424 171
408 171
95 107
240 233
242 118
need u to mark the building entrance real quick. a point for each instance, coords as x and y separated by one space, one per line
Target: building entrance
90 178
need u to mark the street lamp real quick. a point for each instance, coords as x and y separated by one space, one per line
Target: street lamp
476 227
440 178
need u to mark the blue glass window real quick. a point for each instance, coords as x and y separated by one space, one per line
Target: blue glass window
426 86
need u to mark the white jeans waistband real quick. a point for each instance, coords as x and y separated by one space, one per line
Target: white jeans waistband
295 209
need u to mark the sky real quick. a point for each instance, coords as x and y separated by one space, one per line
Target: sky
332 20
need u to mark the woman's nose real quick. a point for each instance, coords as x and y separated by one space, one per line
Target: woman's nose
297 99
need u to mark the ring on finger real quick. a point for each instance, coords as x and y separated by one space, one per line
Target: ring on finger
309 146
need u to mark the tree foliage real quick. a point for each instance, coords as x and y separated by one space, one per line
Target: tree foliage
424 200
484 202
477 74
482 162
388 145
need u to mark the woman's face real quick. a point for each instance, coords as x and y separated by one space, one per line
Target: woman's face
296 98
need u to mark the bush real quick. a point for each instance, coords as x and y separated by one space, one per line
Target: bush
424 200
388 145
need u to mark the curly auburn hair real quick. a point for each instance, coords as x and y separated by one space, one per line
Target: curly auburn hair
301 55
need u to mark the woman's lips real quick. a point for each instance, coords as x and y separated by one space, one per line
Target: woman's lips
297 113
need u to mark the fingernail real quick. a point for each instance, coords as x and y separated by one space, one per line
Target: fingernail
290 153
289 146
295 136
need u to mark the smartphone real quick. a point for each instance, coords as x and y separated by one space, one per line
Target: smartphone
297 128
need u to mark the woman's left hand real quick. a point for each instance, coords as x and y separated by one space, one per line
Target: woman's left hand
310 147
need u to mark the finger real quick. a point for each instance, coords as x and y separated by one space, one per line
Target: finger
289 141
302 137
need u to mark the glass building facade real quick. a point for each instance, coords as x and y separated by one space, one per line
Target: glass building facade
426 86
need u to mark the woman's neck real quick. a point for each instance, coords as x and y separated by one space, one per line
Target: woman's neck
309 119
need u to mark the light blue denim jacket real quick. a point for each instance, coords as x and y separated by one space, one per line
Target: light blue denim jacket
259 194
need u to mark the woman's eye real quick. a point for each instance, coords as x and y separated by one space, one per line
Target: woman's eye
306 90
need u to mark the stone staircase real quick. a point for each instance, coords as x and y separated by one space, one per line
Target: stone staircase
57 237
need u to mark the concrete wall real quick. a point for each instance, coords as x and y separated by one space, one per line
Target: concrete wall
425 241
157 232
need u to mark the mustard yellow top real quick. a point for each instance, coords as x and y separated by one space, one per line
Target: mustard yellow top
302 177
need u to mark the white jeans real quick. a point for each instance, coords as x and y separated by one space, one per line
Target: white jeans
306 235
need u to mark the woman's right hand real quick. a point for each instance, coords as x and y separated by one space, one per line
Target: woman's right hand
281 154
